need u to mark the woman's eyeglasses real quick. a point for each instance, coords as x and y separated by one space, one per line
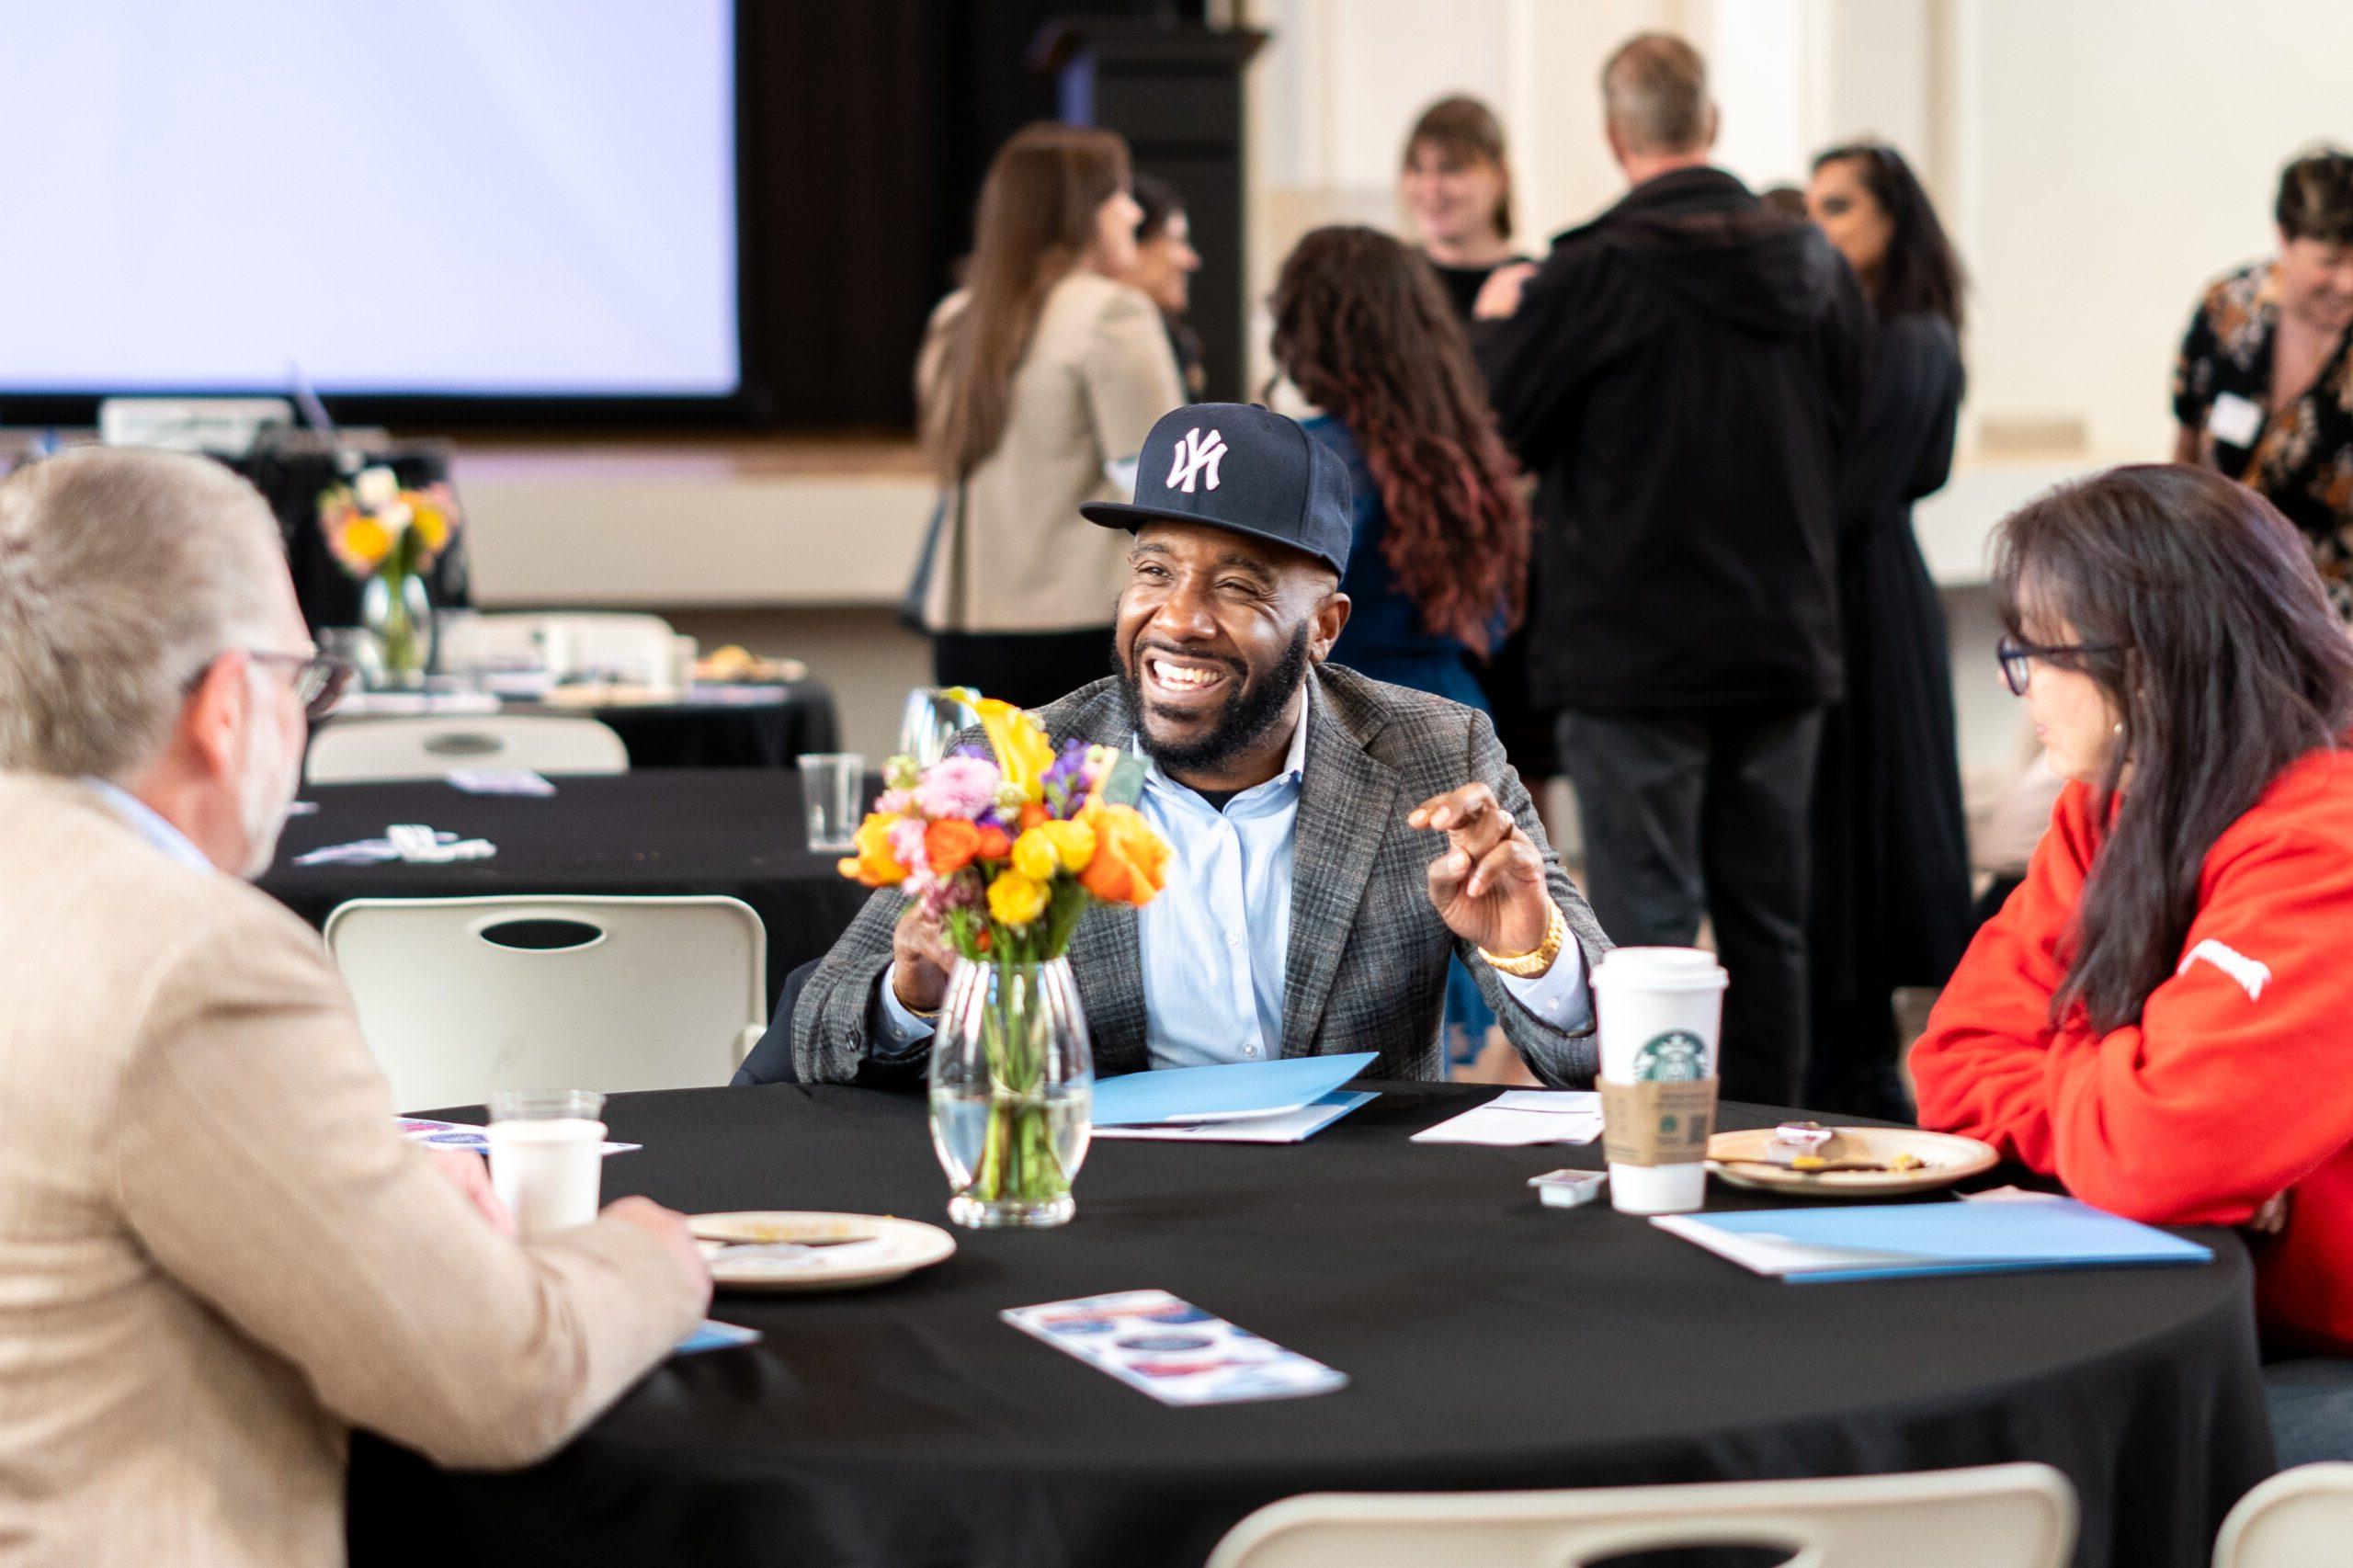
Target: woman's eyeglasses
2018 656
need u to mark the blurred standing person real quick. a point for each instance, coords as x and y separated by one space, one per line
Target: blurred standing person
1036 381
1439 562
1680 374
1165 262
1891 847
1455 184
2263 385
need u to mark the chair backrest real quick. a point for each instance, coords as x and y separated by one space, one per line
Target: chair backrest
624 647
375 751
2007 1516
457 996
2298 1518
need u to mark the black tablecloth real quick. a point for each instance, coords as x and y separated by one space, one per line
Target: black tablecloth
1493 1343
734 831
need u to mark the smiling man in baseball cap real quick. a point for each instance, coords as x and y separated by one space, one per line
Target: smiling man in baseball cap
1338 840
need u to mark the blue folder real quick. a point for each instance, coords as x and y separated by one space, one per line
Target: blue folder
1224 1093
1894 1241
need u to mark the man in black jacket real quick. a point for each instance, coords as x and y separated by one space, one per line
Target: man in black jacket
1679 374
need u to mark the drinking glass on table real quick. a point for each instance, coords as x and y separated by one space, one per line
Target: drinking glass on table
547 1157
930 723
833 789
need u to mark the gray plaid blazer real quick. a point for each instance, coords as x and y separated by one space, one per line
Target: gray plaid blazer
1366 967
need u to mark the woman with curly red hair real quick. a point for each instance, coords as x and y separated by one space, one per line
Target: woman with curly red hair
1438 570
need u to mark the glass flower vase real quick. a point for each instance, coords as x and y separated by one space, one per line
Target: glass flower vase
1012 1092
398 615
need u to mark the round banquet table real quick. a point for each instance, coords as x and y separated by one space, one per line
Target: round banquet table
740 832
715 726
1492 1344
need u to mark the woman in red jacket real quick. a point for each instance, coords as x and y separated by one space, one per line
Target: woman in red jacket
2162 1016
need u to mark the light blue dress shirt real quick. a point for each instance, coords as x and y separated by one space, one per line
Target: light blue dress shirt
1215 941
142 820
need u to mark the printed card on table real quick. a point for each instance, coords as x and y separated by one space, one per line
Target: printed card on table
467 1135
1173 1350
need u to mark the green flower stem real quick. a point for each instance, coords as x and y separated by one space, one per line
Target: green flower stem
1018 1161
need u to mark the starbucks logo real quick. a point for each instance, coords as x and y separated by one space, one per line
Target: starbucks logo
1678 1056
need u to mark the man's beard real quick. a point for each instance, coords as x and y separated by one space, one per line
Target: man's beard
264 790
1250 714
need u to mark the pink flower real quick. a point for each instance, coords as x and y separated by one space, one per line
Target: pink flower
896 802
907 844
958 786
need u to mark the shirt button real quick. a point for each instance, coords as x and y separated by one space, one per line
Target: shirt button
1233 938
1249 1051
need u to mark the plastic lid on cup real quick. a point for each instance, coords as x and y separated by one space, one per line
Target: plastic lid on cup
1661 968
546 1104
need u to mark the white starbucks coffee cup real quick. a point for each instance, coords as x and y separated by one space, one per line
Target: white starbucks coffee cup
1659 1011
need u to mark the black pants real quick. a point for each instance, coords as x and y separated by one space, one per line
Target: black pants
1027 669
1709 813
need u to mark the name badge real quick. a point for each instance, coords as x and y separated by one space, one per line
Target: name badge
2233 421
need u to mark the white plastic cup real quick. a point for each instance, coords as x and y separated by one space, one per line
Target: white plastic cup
1660 1012
547 1157
833 789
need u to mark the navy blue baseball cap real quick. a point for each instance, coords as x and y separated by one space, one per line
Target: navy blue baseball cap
1241 468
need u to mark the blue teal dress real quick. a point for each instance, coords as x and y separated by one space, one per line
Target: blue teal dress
1385 639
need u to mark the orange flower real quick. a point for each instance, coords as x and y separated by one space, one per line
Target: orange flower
950 845
1032 814
1131 861
874 865
995 845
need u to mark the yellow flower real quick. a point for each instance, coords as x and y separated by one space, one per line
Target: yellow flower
1034 856
1016 900
432 526
874 864
367 542
1073 843
1023 753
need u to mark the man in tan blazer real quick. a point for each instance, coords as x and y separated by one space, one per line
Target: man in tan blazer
216 1253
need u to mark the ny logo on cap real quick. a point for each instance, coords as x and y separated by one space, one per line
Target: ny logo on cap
1193 456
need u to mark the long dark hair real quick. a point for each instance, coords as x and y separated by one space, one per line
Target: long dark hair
1363 329
1035 223
1922 271
2229 665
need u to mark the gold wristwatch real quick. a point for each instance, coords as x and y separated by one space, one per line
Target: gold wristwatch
1528 965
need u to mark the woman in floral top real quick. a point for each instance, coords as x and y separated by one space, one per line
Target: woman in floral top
2264 386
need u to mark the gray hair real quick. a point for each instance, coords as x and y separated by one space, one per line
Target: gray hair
123 575
1654 94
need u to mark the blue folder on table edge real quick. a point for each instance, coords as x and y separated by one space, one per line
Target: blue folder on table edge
1897 1241
1225 1090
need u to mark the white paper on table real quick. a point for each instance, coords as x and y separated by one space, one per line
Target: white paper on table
499 781
363 704
468 1136
1560 1102
1502 1125
1289 1127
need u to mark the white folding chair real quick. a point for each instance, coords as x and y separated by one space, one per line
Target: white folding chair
625 647
375 751
460 996
2003 1515
2299 1518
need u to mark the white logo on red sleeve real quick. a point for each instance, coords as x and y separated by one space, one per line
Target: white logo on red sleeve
2251 976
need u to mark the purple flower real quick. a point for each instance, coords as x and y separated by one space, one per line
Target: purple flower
958 786
1067 781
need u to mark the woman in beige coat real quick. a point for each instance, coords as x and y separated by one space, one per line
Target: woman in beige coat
1037 382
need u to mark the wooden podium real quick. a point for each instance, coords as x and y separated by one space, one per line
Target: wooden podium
1175 90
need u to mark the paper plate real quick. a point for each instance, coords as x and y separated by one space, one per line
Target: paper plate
1944 1158
867 1249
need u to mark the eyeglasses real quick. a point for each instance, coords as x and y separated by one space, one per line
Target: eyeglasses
319 680
2017 656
